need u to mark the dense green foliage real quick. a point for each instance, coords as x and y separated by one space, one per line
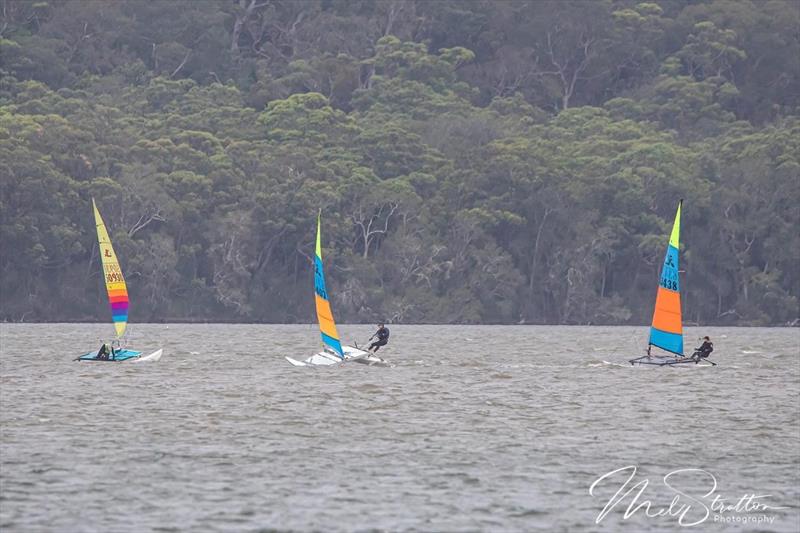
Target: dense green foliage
475 161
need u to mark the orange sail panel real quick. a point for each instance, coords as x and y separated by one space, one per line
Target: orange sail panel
115 281
667 330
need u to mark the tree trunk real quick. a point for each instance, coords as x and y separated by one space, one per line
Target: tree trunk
536 249
241 19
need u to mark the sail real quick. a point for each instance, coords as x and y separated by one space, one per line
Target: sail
115 282
327 327
667 331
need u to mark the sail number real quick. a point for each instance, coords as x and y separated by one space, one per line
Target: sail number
669 284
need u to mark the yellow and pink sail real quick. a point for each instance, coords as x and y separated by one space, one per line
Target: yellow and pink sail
327 326
115 282
666 331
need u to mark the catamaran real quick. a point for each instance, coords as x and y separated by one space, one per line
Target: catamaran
118 298
333 352
666 331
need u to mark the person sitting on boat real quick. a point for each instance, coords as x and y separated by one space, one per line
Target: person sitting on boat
103 352
115 350
383 338
704 350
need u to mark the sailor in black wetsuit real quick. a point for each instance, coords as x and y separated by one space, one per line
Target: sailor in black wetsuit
102 353
704 350
383 338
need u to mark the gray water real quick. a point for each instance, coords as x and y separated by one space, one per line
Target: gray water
475 428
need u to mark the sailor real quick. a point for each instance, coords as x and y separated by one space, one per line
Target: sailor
383 338
102 353
705 349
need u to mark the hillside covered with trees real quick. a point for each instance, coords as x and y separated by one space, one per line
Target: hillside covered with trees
474 160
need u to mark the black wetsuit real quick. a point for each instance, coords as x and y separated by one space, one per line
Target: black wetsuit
705 350
102 353
383 338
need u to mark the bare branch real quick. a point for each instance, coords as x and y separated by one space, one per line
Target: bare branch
185 59
143 221
365 223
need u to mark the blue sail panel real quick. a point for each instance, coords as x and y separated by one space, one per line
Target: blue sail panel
669 272
319 279
333 344
671 342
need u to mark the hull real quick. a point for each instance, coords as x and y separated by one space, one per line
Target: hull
373 360
123 356
655 360
152 358
351 354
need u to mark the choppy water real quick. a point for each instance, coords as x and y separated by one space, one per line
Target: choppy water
475 428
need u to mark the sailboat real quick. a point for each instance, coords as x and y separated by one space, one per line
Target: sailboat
333 351
666 331
117 297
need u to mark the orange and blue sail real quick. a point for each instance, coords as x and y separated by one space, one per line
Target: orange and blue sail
327 327
667 330
115 281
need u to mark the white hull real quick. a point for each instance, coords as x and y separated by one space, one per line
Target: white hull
351 354
153 357
372 360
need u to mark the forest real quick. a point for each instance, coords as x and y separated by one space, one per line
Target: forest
475 161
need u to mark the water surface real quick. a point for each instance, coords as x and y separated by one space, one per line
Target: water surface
475 428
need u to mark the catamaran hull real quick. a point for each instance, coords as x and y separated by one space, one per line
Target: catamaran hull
152 358
668 361
351 354
318 359
125 356
373 360
370 359
357 355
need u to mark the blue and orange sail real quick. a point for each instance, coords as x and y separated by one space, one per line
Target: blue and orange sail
112 273
666 331
327 327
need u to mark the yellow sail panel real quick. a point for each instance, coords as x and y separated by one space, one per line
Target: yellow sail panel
112 273
318 249
674 237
